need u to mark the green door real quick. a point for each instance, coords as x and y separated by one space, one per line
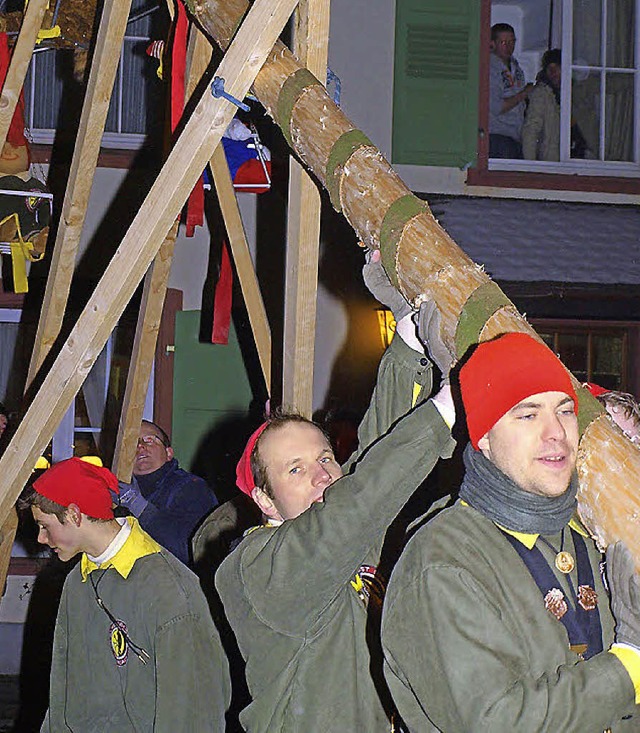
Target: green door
211 399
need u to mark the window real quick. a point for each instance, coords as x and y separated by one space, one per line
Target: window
592 352
600 81
137 102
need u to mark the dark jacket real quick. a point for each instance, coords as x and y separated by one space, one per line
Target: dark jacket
178 501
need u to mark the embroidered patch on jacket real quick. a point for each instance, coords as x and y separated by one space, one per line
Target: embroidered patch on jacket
119 646
369 585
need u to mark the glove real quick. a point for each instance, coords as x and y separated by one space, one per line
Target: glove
379 285
625 594
428 321
131 497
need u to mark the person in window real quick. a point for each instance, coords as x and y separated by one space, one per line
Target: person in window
508 93
541 131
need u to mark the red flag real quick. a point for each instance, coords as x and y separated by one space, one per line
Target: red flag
222 300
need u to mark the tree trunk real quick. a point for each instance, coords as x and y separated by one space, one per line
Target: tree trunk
422 260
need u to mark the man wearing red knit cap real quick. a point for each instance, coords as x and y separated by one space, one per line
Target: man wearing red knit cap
134 642
496 616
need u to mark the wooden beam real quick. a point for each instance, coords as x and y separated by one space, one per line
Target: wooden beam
311 46
194 148
20 60
153 296
243 262
7 536
142 355
104 65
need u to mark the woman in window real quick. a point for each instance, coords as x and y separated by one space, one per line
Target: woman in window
541 131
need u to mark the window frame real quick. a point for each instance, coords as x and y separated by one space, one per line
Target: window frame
575 176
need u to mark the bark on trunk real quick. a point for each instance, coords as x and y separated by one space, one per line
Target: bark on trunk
423 260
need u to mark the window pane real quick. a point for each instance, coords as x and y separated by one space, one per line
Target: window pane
573 350
48 69
607 361
585 108
620 26
619 115
587 32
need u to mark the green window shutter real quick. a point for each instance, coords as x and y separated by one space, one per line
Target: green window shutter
435 93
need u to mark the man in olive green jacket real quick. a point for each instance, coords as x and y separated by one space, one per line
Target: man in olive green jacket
496 617
297 591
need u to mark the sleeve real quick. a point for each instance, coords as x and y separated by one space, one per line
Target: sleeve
340 533
496 94
174 524
405 378
533 124
193 690
474 672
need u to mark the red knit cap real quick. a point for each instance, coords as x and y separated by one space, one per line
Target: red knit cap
75 481
502 372
595 389
244 475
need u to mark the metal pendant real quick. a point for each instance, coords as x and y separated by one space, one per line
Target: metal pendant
565 562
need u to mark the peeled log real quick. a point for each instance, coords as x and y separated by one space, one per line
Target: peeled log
426 263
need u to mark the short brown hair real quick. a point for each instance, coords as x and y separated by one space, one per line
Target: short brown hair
30 498
625 401
276 422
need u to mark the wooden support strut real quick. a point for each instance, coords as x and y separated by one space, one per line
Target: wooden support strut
311 39
185 164
142 354
242 258
150 313
421 258
200 55
106 58
20 59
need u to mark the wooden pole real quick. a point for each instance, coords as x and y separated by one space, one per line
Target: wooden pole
150 313
242 258
185 164
20 59
7 536
311 46
142 354
421 258
106 58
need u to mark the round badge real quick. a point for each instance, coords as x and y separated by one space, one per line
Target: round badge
565 562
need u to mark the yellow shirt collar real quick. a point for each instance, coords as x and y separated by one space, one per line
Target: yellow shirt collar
138 544
529 540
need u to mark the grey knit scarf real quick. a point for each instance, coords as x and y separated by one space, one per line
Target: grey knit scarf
495 495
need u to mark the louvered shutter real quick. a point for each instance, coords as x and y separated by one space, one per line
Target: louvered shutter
435 95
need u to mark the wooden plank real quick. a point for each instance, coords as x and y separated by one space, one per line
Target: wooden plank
7 536
200 136
104 65
311 38
153 296
242 258
20 60
142 355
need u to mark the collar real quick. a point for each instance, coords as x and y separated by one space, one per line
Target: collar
137 545
529 540
149 481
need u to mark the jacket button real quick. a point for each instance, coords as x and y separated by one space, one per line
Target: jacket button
627 717
424 361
